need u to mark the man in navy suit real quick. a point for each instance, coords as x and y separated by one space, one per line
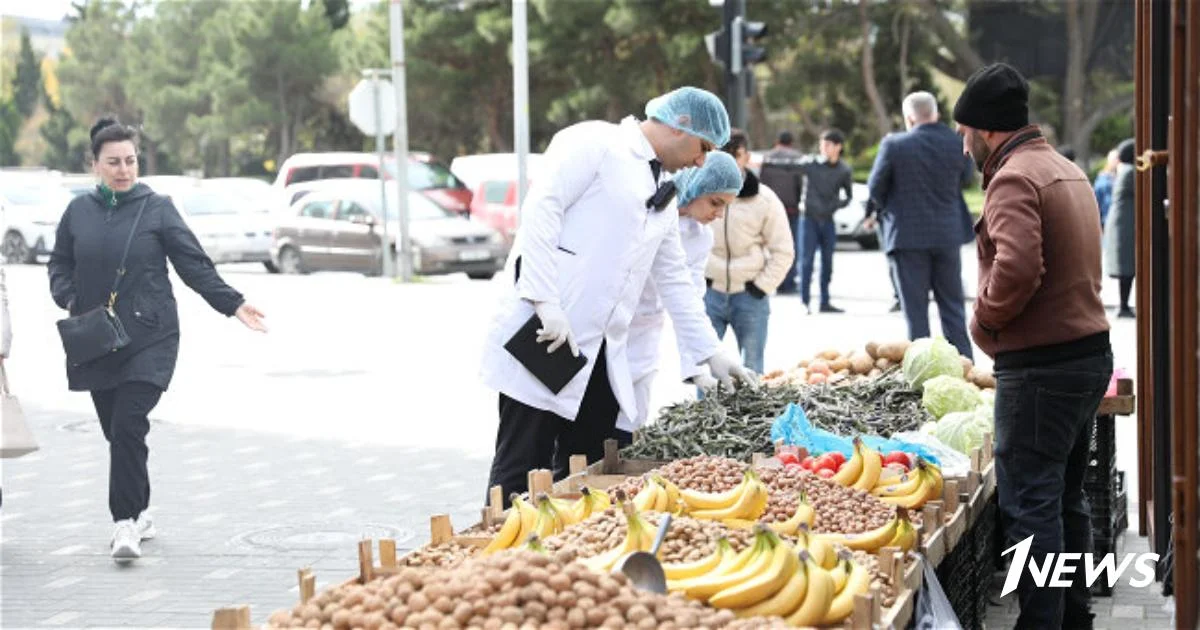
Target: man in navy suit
916 183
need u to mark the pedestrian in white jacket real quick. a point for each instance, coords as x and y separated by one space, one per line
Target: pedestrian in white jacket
752 252
596 224
703 193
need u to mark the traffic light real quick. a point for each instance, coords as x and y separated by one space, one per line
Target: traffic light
735 47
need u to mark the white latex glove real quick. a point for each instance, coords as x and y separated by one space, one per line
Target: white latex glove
704 381
726 368
555 327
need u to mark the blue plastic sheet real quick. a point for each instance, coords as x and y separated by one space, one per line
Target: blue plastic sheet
794 428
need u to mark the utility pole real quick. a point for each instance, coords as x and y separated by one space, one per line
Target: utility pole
400 139
521 97
735 97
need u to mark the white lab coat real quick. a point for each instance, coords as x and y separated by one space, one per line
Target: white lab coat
645 331
588 242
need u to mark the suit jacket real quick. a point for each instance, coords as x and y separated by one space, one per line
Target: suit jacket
916 183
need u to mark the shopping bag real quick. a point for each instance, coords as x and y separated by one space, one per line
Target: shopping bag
933 610
15 437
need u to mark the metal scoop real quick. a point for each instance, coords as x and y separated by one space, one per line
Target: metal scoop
642 568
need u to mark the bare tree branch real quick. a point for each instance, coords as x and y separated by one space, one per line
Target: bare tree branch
868 71
1110 108
966 60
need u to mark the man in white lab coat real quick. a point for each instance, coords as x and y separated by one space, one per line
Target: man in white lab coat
596 224
702 196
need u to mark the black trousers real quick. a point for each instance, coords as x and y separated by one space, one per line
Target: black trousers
916 272
124 417
1044 418
530 438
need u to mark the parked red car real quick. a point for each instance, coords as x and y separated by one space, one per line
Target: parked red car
494 202
425 174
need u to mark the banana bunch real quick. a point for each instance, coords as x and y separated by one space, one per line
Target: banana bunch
551 516
898 532
639 536
805 515
923 483
746 502
658 495
774 578
862 470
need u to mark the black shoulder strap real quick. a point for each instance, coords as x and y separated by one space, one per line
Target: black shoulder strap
112 296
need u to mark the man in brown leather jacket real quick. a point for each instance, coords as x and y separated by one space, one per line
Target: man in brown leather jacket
1039 315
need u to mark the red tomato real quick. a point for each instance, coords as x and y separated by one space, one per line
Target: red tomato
825 473
807 463
897 457
788 459
841 459
827 462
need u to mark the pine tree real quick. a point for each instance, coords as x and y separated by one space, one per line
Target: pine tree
27 84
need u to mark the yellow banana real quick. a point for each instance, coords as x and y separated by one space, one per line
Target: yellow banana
906 486
565 511
852 469
872 466
636 539
646 498
935 474
704 587
804 514
750 505
715 501
762 585
916 498
866 541
674 501
684 570
738 523
840 572
786 600
600 500
547 523
662 501
818 598
529 516
906 534
732 561
604 562
508 535
858 582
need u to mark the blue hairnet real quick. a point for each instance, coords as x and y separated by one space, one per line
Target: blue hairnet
720 174
694 111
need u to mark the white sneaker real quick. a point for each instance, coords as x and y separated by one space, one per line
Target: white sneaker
145 526
126 544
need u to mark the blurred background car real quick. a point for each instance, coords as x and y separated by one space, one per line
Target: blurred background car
849 220
33 206
231 217
335 225
493 181
425 174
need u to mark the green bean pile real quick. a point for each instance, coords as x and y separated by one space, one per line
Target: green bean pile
728 424
879 406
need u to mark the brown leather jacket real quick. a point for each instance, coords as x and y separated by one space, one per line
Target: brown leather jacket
1038 243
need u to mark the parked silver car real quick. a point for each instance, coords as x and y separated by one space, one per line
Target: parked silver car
336 225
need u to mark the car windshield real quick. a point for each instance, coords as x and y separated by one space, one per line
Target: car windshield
213 202
249 196
426 175
420 207
49 196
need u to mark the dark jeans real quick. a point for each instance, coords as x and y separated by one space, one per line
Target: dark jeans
789 281
1044 423
748 316
124 418
816 234
530 438
916 272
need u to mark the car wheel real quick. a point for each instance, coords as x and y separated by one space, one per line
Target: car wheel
271 268
289 261
869 242
15 250
481 275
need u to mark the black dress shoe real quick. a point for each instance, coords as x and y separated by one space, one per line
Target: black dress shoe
829 308
895 308
1126 313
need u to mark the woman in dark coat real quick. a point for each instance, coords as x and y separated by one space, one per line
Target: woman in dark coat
1119 259
126 385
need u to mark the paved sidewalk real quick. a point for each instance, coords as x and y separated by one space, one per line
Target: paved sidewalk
237 514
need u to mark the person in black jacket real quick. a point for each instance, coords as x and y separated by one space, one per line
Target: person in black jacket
126 385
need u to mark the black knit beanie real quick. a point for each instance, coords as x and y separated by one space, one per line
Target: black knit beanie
996 98
1125 151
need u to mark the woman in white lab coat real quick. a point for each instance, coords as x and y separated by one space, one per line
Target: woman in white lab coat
702 196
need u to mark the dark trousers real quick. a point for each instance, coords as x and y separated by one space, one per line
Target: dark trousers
816 235
916 272
1044 423
124 417
530 438
789 281
748 316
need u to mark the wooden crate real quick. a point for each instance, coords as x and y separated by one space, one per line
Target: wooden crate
868 609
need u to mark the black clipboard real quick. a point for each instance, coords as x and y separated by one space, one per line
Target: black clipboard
555 369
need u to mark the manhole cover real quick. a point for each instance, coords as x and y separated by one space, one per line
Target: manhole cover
93 425
319 536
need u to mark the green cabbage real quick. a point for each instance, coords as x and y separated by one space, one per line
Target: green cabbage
929 428
964 430
944 394
929 357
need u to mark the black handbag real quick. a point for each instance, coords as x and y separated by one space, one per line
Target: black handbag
98 332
